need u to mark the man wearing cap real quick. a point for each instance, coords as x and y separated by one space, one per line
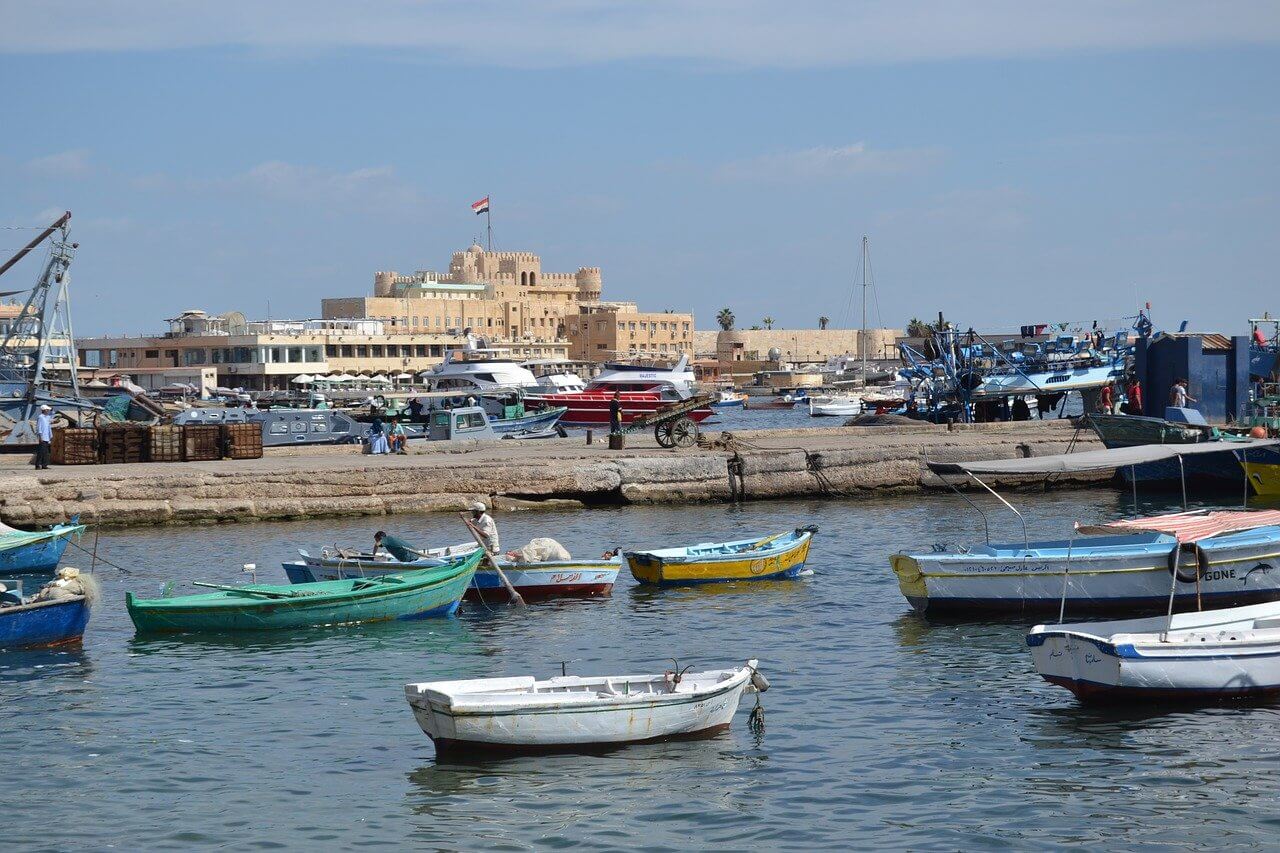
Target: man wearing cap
484 523
44 431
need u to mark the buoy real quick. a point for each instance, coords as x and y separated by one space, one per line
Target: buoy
1258 432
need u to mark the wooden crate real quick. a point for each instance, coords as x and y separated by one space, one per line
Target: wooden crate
165 444
242 441
122 444
74 446
201 442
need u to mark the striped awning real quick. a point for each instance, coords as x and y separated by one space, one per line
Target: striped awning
1189 526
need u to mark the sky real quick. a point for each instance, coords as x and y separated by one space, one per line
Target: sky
1010 162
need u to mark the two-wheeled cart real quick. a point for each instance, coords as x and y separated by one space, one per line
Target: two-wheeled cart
671 424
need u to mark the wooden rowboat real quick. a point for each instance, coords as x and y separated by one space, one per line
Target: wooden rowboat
40 623
256 607
35 551
1209 656
549 579
777 557
573 713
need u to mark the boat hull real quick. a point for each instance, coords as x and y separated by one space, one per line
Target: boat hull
44 623
1215 664
618 722
379 603
559 579
1049 382
1238 569
40 556
534 422
592 408
655 569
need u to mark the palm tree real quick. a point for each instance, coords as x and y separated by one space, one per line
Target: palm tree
822 322
725 318
917 328
768 322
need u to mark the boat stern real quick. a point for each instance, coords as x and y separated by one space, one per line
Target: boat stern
645 568
1085 665
910 580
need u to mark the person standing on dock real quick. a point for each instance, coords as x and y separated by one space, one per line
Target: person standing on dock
615 413
1106 399
44 432
1133 396
483 522
1178 395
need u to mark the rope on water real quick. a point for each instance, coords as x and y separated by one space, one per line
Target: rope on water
98 558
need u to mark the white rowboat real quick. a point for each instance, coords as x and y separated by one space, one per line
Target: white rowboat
573 713
1209 656
835 406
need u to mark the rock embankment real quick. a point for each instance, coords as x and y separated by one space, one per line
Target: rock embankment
337 481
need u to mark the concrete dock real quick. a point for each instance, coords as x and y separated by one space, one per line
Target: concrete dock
510 475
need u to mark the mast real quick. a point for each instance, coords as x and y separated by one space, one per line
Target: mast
862 339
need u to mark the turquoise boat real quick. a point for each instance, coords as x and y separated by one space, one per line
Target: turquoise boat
259 607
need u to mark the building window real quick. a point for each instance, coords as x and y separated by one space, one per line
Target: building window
313 354
331 350
346 351
622 327
420 350
193 356
362 352
91 357
377 350
153 353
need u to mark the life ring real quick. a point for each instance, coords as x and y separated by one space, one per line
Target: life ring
380 401
1185 573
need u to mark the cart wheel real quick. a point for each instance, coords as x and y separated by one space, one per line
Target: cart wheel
663 431
684 432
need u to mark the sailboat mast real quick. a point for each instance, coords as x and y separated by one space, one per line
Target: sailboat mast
862 339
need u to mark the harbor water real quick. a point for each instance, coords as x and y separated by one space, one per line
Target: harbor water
881 729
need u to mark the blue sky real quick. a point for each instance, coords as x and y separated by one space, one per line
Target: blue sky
1010 166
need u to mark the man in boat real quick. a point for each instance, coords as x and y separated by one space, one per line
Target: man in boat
1106 399
484 523
44 432
395 546
615 413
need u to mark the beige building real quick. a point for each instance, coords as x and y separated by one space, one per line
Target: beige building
501 295
607 332
798 346
267 355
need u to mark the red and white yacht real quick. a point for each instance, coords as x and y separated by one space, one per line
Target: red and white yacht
642 390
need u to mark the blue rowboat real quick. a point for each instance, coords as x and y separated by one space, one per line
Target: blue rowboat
257 607
532 422
35 551
41 623
778 557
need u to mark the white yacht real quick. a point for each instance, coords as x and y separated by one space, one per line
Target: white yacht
479 370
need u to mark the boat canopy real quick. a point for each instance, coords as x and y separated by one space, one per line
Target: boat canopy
1097 460
1189 526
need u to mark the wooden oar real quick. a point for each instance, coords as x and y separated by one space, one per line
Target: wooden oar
479 537
244 590
765 541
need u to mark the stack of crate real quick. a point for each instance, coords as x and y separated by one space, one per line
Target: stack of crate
166 444
74 446
120 444
242 441
201 442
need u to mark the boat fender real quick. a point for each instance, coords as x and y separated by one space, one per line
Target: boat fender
758 681
1186 573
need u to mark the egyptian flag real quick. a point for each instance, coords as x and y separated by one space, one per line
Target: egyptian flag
481 206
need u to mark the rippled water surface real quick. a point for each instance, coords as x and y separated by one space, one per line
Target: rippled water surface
881 729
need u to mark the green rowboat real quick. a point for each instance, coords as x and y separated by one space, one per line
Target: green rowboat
259 607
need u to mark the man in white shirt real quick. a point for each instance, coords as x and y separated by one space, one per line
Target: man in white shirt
1178 396
484 523
44 431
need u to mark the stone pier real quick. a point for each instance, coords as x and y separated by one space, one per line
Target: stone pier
335 481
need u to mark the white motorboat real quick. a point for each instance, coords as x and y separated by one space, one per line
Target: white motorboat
1222 559
1208 656
572 713
488 369
834 405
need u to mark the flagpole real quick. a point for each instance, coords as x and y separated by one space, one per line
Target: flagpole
488 224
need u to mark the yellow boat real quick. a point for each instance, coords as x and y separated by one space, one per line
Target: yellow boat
1263 477
777 557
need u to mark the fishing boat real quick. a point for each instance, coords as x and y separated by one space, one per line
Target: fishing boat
256 607
774 401
777 557
1219 559
1231 654
551 579
834 405
570 712
729 400
32 624
35 551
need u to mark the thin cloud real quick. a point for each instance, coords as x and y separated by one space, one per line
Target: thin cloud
370 187
63 164
750 33
830 162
